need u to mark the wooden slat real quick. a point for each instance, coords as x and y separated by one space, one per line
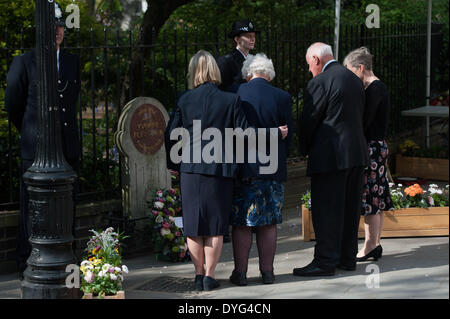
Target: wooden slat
429 168
410 222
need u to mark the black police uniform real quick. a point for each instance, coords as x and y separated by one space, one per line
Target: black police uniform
230 65
21 104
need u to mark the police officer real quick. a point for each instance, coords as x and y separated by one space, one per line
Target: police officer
243 34
21 105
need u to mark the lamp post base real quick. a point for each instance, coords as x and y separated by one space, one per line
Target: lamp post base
48 291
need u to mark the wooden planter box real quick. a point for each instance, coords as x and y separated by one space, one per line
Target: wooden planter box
119 295
429 168
409 222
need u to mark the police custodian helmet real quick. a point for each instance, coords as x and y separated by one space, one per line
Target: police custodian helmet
59 18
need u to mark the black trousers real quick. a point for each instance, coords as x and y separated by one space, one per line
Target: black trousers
23 248
336 210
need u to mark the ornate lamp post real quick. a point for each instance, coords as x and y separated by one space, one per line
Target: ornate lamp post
50 179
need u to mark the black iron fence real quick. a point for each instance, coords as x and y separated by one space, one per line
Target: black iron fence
108 82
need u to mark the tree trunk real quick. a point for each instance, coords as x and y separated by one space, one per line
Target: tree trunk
157 13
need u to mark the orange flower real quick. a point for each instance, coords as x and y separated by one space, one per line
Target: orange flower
413 190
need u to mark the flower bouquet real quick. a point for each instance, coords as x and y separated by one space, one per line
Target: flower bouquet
103 269
168 240
415 196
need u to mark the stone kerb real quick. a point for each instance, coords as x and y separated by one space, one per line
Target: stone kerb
140 139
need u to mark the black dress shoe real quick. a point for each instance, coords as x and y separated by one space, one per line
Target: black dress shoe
267 277
199 282
375 253
210 283
238 278
346 267
313 270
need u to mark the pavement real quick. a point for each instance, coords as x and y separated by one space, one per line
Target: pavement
411 268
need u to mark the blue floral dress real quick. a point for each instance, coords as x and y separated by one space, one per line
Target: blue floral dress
257 202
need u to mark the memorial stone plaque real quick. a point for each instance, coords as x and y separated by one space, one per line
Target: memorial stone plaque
140 139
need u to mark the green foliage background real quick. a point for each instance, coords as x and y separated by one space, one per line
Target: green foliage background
199 14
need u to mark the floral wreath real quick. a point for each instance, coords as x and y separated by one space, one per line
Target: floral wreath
169 242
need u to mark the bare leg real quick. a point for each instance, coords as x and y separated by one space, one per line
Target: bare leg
266 239
371 228
380 230
213 249
196 250
242 243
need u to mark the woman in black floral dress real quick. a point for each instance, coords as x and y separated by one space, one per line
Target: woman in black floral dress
376 195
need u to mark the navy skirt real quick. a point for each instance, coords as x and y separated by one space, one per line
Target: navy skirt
206 203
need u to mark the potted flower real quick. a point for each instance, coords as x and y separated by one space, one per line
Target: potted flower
417 212
102 270
168 240
430 163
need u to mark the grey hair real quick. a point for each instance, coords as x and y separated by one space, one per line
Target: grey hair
359 56
258 64
319 49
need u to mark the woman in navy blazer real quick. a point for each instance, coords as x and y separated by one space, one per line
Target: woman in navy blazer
202 115
259 198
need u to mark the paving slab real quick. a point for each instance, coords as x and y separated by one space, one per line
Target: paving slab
411 268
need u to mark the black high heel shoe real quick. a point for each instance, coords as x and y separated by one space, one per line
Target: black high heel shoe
375 253
239 278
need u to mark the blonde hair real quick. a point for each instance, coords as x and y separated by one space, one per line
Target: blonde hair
203 68
359 56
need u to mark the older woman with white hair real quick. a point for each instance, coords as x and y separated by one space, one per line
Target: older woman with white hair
206 186
258 198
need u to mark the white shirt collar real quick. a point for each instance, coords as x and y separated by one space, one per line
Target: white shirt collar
245 57
326 64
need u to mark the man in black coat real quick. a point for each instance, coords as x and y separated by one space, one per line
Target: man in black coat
21 105
331 134
230 65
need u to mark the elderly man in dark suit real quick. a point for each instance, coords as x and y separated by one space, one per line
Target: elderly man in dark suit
21 105
331 134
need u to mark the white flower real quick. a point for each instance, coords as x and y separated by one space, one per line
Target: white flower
89 277
165 231
85 262
171 218
113 277
391 184
105 267
117 269
125 269
101 274
400 185
433 186
159 205
159 219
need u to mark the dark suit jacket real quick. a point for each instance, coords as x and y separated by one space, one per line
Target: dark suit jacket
230 67
331 124
215 109
21 101
267 106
